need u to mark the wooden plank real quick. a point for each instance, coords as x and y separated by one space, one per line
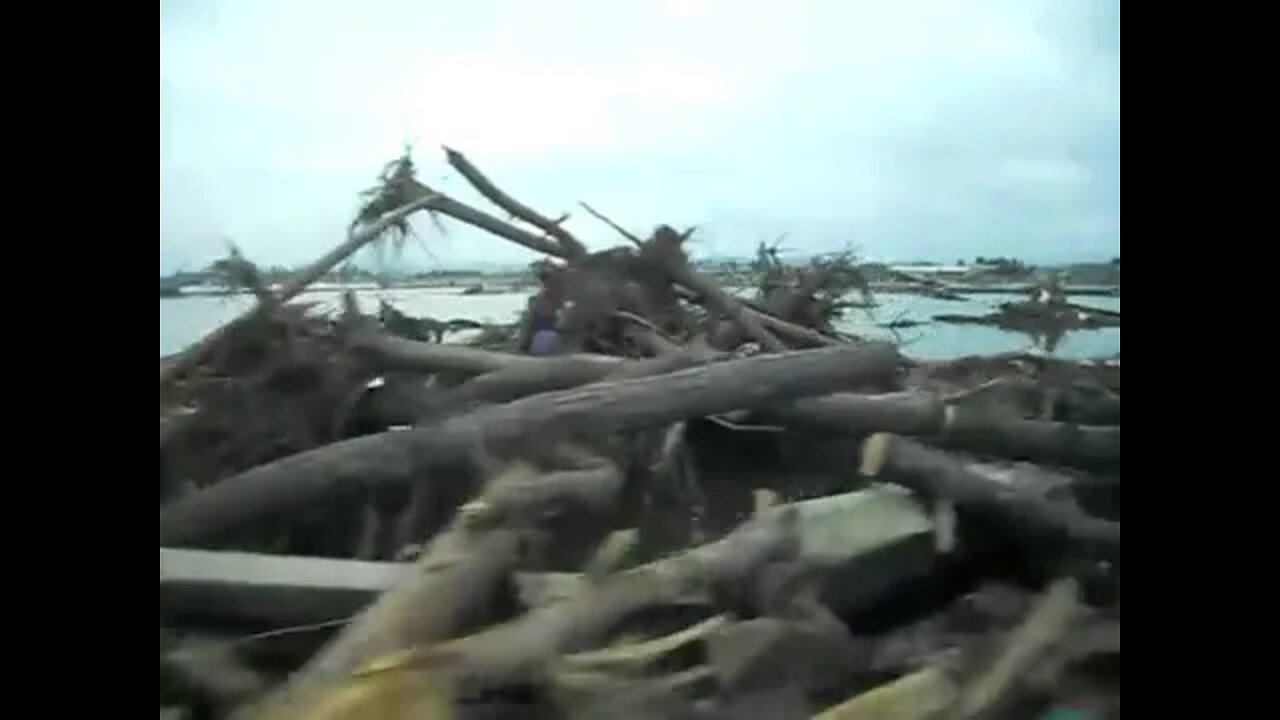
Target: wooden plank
271 589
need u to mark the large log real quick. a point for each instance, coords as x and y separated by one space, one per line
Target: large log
547 374
1043 441
390 353
499 376
599 408
922 414
936 473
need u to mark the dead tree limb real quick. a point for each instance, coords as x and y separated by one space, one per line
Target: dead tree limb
780 305
800 335
654 343
463 212
573 250
599 408
390 353
665 247
647 335
723 302
936 473
620 230
356 239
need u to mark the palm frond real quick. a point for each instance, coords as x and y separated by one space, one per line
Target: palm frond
237 272
397 186
390 193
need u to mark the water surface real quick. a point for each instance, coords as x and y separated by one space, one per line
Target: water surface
185 320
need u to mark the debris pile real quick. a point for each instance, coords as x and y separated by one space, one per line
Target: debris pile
649 498
1047 316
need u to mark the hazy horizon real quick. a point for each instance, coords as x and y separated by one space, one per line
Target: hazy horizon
415 264
916 130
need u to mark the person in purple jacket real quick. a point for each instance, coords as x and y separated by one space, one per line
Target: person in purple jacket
542 315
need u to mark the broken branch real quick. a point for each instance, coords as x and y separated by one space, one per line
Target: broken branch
621 230
572 249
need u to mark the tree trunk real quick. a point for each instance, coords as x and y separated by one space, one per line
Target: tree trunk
936 473
391 354
522 380
1043 441
919 414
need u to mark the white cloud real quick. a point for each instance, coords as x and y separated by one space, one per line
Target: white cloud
868 114
522 107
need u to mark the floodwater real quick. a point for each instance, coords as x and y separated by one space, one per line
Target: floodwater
185 320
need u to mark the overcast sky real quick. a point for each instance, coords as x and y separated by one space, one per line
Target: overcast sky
933 129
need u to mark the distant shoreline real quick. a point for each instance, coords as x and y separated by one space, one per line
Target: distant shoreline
506 286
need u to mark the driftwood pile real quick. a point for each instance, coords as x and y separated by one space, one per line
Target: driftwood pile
699 507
